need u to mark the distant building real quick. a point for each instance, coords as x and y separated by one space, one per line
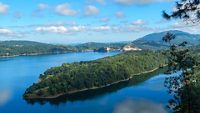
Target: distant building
104 49
19 45
108 49
130 48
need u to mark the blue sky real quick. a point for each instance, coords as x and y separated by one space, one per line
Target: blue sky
79 21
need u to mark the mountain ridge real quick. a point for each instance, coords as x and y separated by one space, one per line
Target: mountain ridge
154 40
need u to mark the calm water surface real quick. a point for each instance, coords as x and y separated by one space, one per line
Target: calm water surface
135 96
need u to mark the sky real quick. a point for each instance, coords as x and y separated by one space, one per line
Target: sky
80 21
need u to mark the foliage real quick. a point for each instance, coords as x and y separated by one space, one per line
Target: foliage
92 74
194 95
17 48
97 46
12 48
186 10
179 59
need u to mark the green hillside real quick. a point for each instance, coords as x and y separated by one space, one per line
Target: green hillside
15 48
154 40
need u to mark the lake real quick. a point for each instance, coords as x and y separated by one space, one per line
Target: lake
135 96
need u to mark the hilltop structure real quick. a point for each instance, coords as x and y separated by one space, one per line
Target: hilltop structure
130 48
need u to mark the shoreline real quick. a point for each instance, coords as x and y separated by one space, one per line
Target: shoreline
37 54
93 88
34 54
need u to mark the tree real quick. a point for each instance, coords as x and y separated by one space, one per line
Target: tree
186 10
180 59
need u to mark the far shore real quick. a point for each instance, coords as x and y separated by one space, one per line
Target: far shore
93 88
33 54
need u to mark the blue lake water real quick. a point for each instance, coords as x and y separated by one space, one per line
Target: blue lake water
16 74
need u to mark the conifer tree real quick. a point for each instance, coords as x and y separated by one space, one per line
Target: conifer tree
180 58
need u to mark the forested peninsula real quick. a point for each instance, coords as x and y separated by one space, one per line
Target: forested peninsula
82 76
23 48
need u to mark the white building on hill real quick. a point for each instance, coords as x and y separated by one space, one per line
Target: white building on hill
130 48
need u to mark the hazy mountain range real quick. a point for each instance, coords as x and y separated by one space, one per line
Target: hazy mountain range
150 41
154 40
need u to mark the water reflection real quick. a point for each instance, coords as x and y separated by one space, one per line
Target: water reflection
139 106
5 96
93 94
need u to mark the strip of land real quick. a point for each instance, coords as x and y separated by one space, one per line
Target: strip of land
76 77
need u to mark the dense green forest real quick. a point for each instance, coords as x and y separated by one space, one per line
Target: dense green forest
12 48
97 46
92 74
17 48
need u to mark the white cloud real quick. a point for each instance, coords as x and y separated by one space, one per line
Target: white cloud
77 28
42 6
129 2
102 28
60 29
53 29
63 29
138 22
192 28
10 33
71 28
3 8
135 26
137 29
119 14
91 10
178 25
5 31
65 10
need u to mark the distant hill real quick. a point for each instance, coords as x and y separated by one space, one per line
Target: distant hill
154 40
95 45
17 48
